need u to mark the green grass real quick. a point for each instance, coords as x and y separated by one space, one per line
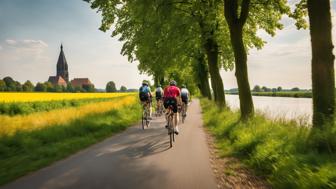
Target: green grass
29 151
279 151
17 108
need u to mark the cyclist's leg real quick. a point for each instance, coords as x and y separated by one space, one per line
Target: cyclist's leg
175 116
166 105
149 109
185 107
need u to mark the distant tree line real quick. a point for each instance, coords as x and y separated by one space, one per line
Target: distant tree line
258 88
10 85
111 87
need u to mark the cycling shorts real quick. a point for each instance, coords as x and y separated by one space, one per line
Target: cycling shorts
185 99
171 102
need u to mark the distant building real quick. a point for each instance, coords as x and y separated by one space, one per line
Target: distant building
62 66
57 80
80 82
62 74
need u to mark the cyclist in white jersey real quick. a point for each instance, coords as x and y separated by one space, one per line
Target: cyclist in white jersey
185 97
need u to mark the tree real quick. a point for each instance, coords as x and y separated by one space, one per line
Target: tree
279 88
202 76
18 86
165 35
257 88
58 88
265 89
28 86
10 84
323 74
123 89
70 88
40 87
248 13
78 89
295 89
2 85
110 87
49 86
88 88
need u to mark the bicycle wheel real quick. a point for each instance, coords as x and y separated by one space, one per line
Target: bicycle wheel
147 117
170 132
173 133
143 122
171 136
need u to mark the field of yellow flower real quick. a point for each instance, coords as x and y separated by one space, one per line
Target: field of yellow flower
32 97
53 126
11 124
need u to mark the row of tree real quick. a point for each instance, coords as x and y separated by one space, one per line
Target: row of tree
111 87
191 40
258 88
9 84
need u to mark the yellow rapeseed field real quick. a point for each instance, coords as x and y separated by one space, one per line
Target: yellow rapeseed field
30 97
10 125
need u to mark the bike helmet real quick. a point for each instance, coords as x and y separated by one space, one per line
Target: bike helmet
173 83
144 82
183 86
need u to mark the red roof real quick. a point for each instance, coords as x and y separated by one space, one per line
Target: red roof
79 82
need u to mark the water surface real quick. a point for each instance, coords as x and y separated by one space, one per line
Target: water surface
275 107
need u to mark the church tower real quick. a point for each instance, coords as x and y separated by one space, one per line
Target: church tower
62 66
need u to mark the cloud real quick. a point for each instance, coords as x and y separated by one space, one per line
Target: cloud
27 49
10 42
1 47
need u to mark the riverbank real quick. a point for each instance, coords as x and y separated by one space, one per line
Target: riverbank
294 94
276 150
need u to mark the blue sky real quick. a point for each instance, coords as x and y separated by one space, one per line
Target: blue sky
31 33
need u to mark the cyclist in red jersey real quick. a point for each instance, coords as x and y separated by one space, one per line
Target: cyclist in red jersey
171 97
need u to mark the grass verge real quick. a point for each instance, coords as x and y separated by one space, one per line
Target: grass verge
25 152
276 150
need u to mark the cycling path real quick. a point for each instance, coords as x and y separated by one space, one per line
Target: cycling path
134 159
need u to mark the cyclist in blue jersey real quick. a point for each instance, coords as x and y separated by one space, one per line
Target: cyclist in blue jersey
145 95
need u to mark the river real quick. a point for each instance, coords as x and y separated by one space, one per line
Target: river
299 109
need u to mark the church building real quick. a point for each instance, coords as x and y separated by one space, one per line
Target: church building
62 74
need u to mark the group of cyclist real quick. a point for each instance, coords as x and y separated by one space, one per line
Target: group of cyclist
171 96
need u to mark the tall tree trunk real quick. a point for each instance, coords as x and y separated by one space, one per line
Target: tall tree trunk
323 77
203 77
245 97
236 20
216 80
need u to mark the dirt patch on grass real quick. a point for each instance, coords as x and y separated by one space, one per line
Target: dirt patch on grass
230 172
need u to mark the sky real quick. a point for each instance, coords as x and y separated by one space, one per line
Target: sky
31 33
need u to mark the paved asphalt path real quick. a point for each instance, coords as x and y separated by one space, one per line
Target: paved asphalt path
134 159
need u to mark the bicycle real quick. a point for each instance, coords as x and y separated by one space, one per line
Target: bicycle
170 120
159 107
145 115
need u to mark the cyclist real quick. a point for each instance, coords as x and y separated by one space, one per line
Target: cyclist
171 97
185 97
159 96
145 96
